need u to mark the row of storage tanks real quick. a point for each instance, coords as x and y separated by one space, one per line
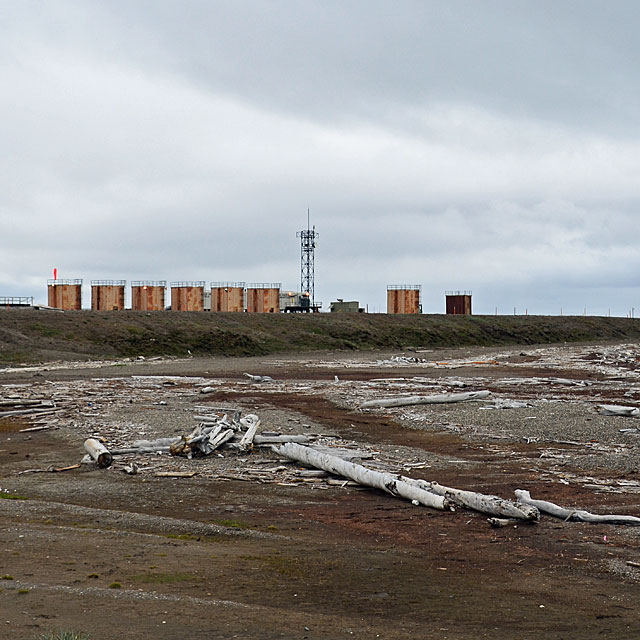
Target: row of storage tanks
108 295
405 299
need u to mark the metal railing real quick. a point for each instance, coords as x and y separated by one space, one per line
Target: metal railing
16 301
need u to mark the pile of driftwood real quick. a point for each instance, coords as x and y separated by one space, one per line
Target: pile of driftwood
26 407
224 429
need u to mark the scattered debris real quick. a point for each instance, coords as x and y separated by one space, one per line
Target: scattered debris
175 474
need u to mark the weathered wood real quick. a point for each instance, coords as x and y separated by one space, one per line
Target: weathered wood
42 427
220 439
246 443
69 468
376 479
28 412
576 515
483 503
444 398
282 439
502 522
26 403
259 378
175 474
154 444
618 410
139 450
98 452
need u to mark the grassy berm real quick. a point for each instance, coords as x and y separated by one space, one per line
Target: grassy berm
27 335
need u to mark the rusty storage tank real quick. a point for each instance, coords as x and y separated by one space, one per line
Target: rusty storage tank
458 302
65 294
148 295
404 298
107 295
187 296
227 296
263 297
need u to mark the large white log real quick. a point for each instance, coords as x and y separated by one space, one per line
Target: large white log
98 452
481 502
618 410
376 479
259 378
443 398
576 515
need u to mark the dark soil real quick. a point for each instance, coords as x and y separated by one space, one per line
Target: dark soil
136 557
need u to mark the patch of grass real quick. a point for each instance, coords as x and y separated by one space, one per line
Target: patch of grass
62 635
232 524
115 585
45 331
182 536
165 578
6 576
4 495
23 591
93 575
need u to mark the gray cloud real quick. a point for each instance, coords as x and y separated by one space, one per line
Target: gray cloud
490 146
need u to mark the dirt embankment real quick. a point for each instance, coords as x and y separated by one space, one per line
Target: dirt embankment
29 335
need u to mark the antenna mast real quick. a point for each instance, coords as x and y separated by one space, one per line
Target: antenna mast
307 259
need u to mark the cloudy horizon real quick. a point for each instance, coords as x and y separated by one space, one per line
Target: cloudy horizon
489 146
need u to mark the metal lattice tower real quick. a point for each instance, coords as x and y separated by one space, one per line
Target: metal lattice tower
307 259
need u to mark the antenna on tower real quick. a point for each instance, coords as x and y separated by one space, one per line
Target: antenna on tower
307 259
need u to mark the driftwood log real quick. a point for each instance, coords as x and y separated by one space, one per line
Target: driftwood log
576 515
277 439
443 398
246 442
618 410
483 503
98 452
376 479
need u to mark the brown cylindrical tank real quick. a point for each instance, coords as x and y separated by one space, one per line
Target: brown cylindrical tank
227 296
107 295
263 298
187 296
458 303
148 295
403 298
65 294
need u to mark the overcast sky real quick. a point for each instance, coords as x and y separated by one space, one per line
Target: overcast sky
491 146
